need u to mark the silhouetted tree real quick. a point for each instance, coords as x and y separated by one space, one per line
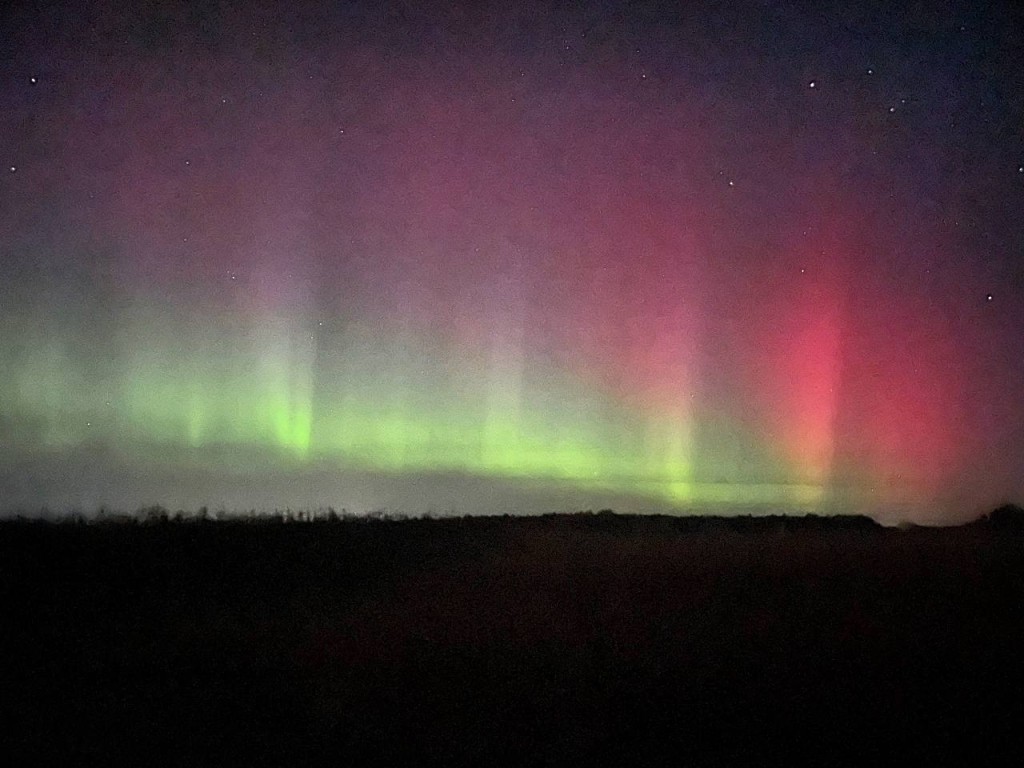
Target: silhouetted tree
154 514
1008 516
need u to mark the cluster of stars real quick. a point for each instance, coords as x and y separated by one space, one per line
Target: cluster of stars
870 70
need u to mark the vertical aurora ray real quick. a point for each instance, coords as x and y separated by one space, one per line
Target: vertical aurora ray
285 374
900 420
501 436
795 365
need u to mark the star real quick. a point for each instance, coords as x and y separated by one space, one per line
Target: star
13 168
33 80
813 84
871 71
988 297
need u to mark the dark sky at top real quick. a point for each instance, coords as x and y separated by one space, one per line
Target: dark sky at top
499 257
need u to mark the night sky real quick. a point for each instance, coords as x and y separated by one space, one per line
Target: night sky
477 257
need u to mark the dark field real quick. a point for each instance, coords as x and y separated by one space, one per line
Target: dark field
584 639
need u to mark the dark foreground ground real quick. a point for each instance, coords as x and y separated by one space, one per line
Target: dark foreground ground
496 641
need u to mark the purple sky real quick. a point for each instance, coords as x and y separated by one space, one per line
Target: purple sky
434 256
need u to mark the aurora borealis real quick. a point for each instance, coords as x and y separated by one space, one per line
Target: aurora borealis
445 256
